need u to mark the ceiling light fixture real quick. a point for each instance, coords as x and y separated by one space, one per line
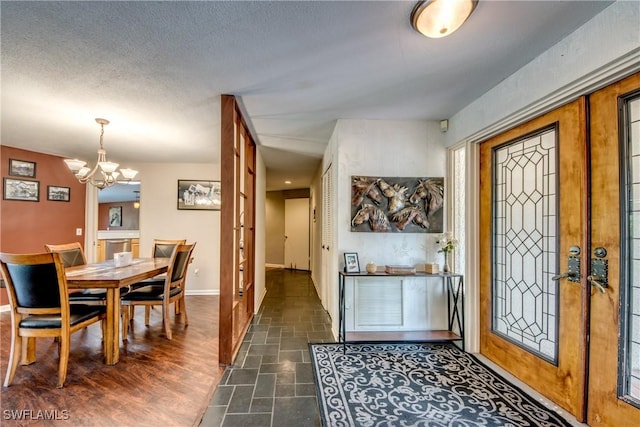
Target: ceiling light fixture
439 18
107 169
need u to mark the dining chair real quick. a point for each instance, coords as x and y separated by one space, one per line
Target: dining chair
172 291
37 289
73 255
162 248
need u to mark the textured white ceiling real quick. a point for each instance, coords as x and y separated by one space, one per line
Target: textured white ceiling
156 71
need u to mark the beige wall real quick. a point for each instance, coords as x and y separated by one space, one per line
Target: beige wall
160 219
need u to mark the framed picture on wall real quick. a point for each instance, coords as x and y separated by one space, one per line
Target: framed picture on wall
21 189
22 168
58 194
115 216
199 195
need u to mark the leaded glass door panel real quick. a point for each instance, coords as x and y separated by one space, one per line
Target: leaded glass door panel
533 209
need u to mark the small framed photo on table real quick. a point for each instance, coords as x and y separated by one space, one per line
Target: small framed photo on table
351 263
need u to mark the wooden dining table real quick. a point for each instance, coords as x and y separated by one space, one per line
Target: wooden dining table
105 275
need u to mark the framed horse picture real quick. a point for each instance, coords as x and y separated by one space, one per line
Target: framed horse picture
397 205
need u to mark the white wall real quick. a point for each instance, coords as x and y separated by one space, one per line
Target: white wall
601 51
397 149
386 148
161 219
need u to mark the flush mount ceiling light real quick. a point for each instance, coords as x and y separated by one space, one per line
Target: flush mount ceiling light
439 18
108 173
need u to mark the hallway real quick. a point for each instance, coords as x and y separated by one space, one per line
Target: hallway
271 383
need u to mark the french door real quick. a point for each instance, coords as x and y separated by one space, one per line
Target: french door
533 211
560 254
614 356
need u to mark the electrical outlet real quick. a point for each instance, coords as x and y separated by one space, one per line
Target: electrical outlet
196 272
78 231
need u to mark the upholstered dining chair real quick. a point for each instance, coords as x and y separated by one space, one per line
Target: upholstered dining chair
162 248
172 291
37 289
73 255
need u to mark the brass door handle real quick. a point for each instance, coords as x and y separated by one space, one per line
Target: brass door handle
595 281
568 274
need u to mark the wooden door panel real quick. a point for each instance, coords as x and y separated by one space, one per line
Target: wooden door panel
562 379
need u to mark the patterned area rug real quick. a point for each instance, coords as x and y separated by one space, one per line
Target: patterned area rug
417 385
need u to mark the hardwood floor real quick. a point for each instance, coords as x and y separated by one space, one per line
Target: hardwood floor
156 383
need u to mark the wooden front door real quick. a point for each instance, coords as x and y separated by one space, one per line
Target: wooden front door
614 357
532 219
560 254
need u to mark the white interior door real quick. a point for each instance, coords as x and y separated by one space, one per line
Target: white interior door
327 232
296 233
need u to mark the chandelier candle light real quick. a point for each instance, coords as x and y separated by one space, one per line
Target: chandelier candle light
107 169
447 244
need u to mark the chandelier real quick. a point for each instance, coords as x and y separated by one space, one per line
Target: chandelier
108 170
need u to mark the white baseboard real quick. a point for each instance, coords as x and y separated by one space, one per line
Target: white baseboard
204 292
274 265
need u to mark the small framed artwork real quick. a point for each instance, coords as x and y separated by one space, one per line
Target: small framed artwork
351 263
22 168
21 189
58 194
199 195
115 216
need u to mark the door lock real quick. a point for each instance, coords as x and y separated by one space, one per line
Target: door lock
599 276
573 266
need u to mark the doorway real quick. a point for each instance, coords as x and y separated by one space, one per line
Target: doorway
296 234
556 254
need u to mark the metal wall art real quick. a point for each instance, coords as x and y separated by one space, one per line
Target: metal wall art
394 205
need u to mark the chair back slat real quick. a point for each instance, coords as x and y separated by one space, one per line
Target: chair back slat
72 257
177 272
180 265
71 253
163 251
36 286
35 282
164 248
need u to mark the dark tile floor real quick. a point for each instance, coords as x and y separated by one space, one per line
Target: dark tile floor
271 383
